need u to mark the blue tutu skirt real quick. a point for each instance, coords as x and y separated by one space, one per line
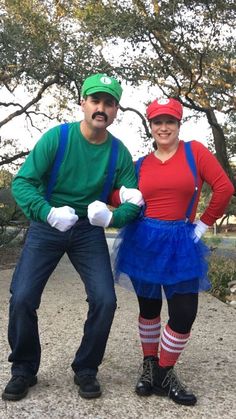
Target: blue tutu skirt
159 256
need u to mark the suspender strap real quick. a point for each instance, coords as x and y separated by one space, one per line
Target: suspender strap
111 170
192 165
138 165
64 128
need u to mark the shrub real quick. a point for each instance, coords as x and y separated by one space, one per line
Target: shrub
213 241
222 270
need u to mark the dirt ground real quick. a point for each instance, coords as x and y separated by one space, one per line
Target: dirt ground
9 256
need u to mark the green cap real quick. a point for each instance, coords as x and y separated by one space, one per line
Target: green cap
101 83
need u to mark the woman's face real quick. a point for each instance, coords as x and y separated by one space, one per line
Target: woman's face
165 130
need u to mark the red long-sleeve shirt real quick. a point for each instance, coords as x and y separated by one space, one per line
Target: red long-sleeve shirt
167 187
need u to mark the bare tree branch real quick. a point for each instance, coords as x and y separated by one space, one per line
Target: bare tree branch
31 102
7 160
148 134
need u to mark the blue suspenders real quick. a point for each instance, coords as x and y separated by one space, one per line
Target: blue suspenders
111 170
191 162
64 128
58 160
192 165
138 165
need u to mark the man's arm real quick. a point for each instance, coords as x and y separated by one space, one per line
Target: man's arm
28 186
128 208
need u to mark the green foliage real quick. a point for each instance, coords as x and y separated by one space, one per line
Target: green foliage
12 219
5 178
10 214
42 45
38 43
186 48
212 241
43 50
204 198
230 131
231 210
204 201
221 271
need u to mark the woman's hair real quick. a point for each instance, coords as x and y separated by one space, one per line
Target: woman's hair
154 145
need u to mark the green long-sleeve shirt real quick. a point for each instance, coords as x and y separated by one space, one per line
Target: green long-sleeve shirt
80 179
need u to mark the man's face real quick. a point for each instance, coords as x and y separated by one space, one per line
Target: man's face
100 110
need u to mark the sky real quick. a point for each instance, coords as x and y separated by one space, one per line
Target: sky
126 127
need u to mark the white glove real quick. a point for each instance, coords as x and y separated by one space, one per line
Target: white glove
131 195
62 218
99 214
199 230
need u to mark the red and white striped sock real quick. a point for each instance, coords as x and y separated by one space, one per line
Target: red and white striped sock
172 345
149 332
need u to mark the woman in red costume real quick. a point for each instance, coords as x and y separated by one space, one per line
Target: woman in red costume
162 252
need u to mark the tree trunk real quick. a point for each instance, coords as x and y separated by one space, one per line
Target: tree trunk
220 144
219 226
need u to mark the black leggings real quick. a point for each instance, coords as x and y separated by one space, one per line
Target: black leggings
182 309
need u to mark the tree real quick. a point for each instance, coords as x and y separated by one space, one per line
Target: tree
204 201
42 51
5 179
186 48
10 213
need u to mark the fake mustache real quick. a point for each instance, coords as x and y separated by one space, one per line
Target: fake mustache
100 114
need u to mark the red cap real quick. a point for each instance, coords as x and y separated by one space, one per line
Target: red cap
165 107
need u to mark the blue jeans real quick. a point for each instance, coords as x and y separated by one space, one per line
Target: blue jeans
87 250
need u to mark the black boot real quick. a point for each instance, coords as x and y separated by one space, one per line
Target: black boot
144 386
168 384
89 387
18 387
